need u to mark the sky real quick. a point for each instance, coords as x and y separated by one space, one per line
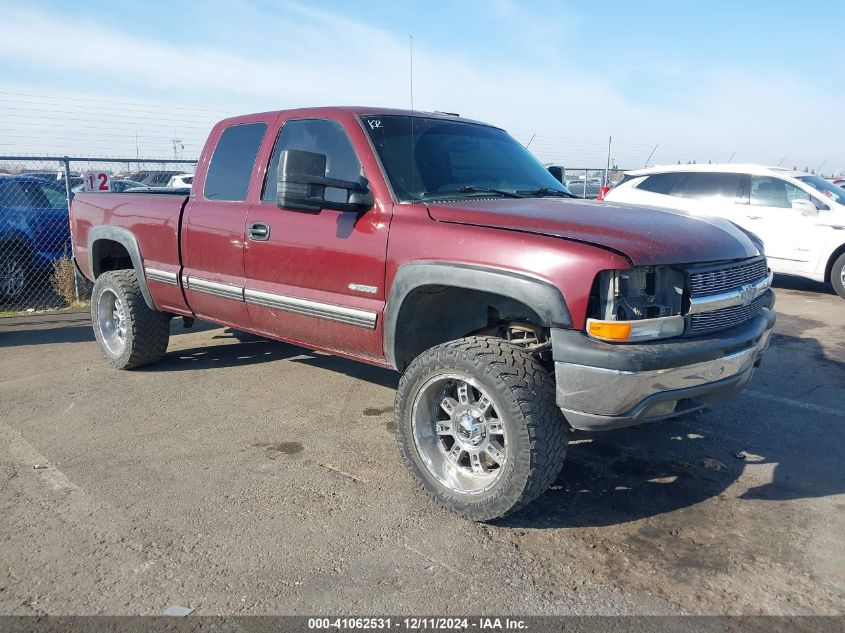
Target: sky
759 81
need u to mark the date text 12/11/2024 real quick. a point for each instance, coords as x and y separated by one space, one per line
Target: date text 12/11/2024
418 623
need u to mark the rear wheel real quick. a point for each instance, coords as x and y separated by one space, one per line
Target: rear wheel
129 333
478 427
837 276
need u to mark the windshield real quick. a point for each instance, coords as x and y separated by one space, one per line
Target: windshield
837 194
455 160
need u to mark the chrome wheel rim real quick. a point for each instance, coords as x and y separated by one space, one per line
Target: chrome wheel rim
842 275
458 433
13 279
111 318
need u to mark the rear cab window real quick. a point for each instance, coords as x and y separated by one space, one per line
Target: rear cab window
232 162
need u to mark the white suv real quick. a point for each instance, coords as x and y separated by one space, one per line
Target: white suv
800 217
182 181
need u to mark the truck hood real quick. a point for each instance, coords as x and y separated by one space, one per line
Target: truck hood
645 235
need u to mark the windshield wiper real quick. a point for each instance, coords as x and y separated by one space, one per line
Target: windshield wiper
501 192
548 191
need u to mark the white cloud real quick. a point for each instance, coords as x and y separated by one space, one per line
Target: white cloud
315 57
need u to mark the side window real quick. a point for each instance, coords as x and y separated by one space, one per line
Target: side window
232 162
323 137
774 192
794 193
703 185
667 184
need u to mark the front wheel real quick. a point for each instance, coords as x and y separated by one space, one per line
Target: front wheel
478 427
837 276
130 334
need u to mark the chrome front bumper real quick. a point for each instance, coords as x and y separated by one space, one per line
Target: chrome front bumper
659 381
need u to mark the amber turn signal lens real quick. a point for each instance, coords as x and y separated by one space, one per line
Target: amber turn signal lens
610 330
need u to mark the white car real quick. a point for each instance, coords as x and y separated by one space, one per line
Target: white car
800 217
182 181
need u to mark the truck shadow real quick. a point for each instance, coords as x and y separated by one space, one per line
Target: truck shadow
250 349
780 440
63 327
620 476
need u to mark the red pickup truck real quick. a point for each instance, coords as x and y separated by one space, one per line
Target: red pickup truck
440 247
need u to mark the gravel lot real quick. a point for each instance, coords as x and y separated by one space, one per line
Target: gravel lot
252 477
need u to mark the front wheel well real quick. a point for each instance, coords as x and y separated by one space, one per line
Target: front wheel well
435 314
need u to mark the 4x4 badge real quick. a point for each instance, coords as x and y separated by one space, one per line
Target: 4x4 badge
363 288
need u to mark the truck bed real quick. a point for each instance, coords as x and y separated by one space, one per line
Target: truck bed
151 219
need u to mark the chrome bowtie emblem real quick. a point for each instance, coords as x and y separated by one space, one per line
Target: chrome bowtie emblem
747 294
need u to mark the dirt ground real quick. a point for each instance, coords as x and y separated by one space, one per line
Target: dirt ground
242 476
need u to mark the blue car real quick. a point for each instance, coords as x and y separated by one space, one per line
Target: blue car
34 231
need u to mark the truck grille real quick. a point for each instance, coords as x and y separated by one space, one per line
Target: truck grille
716 281
732 278
725 318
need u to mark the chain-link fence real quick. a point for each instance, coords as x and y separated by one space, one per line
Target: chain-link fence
36 270
586 182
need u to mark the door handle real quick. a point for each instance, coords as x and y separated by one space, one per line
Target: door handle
258 231
754 217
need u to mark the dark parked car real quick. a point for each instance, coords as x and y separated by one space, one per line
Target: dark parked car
34 230
117 186
154 178
58 176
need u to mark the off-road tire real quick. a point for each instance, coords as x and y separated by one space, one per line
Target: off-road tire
836 275
147 330
525 395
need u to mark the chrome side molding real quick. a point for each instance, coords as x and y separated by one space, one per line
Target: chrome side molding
329 311
163 276
225 291
318 309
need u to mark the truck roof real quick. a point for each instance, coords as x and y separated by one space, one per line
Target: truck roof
333 111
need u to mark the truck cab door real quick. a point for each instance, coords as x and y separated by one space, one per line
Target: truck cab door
213 228
317 277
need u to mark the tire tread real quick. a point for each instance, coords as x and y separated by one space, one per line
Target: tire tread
527 385
150 329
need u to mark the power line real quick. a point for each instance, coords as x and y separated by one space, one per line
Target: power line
146 105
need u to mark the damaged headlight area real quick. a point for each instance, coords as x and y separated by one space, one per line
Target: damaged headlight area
644 303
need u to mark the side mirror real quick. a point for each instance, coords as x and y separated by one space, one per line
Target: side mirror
806 207
301 184
558 172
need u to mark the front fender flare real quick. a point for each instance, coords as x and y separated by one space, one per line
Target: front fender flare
125 238
541 296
